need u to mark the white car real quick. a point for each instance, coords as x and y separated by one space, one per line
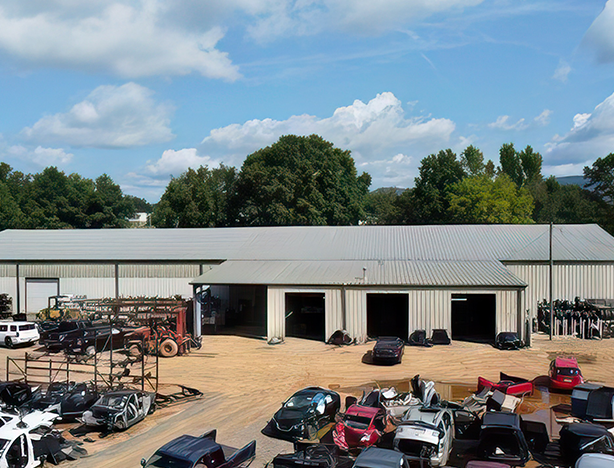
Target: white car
18 333
426 434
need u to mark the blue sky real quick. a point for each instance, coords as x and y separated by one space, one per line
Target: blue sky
142 90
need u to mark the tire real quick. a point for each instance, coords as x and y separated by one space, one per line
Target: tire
169 348
135 350
8 342
90 350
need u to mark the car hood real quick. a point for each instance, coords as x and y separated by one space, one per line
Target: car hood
288 417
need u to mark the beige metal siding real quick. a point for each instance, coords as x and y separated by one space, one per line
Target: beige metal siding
162 287
67 271
159 271
276 313
430 309
333 308
356 314
587 281
93 288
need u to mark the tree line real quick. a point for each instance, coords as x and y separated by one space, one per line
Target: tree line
305 180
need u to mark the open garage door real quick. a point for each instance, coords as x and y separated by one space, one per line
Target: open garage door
388 315
305 316
474 317
38 292
233 310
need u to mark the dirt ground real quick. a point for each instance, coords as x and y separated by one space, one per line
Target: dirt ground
245 380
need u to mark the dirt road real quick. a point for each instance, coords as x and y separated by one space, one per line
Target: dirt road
245 380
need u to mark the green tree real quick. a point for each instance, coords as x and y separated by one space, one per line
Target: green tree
472 160
428 202
382 207
569 204
197 198
106 206
300 181
600 177
522 167
481 199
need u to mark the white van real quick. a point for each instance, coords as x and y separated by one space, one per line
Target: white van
18 333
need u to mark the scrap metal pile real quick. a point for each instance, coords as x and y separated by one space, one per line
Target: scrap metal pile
589 319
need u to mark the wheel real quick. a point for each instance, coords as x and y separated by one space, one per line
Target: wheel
8 342
168 348
135 350
90 350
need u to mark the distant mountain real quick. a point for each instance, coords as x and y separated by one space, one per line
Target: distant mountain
397 190
572 180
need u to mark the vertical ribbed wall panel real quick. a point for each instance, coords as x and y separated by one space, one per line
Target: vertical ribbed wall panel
333 311
507 312
356 310
149 287
429 309
588 281
276 312
93 288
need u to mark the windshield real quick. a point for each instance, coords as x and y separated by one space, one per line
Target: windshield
415 448
164 461
357 422
113 401
299 401
509 337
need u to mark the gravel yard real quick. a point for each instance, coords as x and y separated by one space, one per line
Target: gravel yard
245 380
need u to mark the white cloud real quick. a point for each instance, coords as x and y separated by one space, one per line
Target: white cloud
374 132
39 155
110 117
502 123
125 37
543 118
566 169
591 137
562 71
600 36
361 17
176 162
383 141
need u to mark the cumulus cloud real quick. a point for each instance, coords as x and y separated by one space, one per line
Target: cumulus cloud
125 37
374 131
110 117
175 162
39 155
591 137
383 140
600 36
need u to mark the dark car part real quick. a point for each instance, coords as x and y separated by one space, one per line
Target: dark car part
313 456
52 396
440 337
502 439
419 338
508 340
578 438
77 400
373 457
388 350
188 451
340 337
15 394
304 414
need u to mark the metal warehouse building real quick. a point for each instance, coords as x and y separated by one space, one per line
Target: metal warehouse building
473 280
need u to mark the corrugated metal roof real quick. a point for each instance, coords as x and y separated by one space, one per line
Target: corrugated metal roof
377 273
457 242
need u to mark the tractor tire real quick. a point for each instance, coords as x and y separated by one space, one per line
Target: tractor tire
169 348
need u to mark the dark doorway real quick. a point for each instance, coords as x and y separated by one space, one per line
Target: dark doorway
305 316
474 317
388 315
241 310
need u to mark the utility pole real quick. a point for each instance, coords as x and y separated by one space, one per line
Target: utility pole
550 271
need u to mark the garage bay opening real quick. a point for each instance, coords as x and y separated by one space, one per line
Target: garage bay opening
305 316
388 315
474 317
